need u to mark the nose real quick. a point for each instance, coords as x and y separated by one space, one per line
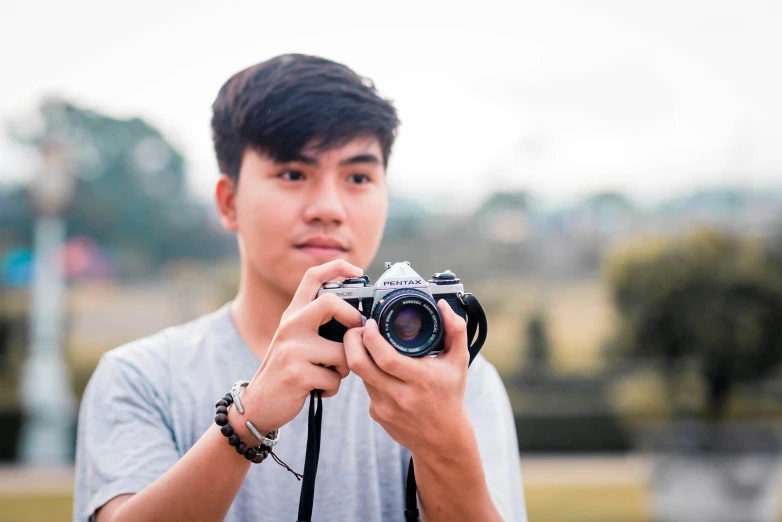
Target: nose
325 204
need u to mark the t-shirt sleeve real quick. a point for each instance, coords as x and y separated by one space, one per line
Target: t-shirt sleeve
492 418
124 438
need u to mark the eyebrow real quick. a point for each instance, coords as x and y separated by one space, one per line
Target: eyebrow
360 158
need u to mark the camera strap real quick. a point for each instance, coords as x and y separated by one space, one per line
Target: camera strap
476 322
311 460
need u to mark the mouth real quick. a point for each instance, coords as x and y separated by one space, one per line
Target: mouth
322 245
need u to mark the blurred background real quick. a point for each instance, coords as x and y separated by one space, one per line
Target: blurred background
605 176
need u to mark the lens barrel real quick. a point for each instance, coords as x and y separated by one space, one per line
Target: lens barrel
410 321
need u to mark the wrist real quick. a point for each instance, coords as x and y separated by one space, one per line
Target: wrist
250 452
447 440
238 420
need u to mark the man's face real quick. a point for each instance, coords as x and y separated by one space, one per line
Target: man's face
326 205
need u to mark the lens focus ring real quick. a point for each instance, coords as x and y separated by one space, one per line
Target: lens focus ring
410 321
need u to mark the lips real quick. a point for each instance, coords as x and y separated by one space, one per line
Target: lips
322 243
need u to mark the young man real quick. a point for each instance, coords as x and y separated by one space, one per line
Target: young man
302 144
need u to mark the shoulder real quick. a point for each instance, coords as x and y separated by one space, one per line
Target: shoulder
485 397
175 342
149 361
483 382
492 417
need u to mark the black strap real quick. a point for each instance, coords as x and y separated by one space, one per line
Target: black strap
476 320
311 461
411 501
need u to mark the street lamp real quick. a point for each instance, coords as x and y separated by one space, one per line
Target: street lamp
46 397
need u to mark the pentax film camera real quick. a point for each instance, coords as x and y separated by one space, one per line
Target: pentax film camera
404 305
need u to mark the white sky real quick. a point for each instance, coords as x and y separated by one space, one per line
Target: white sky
563 97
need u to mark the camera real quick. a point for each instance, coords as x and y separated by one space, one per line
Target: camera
404 305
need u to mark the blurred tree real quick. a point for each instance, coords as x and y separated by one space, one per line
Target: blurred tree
405 216
709 300
131 193
537 342
501 201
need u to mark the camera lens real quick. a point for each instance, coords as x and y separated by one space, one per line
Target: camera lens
408 324
410 321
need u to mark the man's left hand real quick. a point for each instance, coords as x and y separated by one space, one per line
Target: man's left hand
418 401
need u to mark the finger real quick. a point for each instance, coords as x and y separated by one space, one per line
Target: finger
324 379
331 355
455 346
386 357
328 307
380 407
316 276
360 362
373 393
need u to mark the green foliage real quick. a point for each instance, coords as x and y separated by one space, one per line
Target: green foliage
710 300
131 193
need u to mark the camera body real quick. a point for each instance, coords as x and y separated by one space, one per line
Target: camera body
404 305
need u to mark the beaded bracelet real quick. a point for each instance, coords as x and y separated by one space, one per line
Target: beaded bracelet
254 455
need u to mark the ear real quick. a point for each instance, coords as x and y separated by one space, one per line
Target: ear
225 197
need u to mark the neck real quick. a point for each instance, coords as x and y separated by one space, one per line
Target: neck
257 310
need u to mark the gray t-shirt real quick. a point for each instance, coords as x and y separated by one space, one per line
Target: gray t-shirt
149 401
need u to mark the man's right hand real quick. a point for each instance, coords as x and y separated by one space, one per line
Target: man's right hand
299 360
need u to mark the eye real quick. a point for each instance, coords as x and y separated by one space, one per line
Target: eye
359 179
292 175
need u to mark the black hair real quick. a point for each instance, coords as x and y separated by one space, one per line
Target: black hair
292 101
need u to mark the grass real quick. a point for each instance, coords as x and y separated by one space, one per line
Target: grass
586 503
35 508
544 504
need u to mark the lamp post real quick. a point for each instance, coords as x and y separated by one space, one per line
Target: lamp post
46 397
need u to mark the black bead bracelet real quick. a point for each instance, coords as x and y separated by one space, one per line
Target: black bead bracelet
255 455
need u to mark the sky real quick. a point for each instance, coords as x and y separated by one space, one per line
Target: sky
563 98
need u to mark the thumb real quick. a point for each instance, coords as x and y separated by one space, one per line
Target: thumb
455 334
